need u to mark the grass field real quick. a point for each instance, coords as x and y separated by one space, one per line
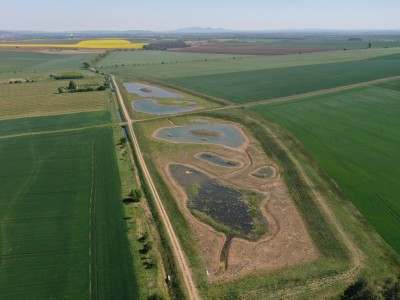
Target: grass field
376 42
62 229
250 86
149 63
13 63
42 98
354 136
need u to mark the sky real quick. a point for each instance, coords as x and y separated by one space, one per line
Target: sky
72 15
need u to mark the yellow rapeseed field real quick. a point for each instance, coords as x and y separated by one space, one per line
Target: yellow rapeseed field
89 44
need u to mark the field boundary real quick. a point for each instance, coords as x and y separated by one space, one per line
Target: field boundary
52 131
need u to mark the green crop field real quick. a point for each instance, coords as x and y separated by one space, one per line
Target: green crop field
250 86
42 98
354 135
62 229
13 62
225 64
65 122
154 57
334 43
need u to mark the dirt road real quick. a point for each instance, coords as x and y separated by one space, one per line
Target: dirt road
176 247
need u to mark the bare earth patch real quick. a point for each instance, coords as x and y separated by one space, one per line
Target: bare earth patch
287 242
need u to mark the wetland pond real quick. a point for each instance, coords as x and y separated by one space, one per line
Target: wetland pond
149 106
145 91
223 207
264 172
220 134
218 160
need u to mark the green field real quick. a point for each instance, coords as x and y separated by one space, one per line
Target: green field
42 98
250 86
62 229
13 63
354 135
334 43
222 65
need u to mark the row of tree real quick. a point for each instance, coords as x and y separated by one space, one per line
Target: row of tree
74 88
362 290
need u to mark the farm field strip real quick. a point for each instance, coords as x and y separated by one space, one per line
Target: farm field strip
15 63
149 63
56 189
56 123
353 135
86 44
42 98
248 86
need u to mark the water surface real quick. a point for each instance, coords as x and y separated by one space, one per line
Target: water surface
144 90
229 135
149 106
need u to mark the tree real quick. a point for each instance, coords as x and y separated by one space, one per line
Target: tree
86 65
72 85
136 195
61 90
360 290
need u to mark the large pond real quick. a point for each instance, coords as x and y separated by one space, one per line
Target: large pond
218 160
220 134
148 91
153 107
222 204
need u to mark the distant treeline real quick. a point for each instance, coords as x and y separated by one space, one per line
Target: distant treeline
163 45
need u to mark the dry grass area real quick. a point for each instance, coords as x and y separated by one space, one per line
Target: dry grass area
42 98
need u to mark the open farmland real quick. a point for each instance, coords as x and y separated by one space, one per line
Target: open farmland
15 62
354 136
252 49
149 63
272 83
62 228
85 44
42 98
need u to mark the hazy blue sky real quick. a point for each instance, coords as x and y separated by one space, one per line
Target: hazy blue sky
53 15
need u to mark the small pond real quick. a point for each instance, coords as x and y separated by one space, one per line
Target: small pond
144 90
218 160
264 172
220 134
153 107
222 204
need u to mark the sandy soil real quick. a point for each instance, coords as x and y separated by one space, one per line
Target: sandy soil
287 242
